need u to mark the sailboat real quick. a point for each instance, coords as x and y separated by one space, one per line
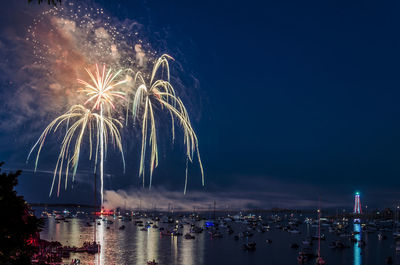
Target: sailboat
320 260
308 240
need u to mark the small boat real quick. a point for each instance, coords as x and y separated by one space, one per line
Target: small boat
152 262
89 247
302 258
306 252
249 246
361 243
165 233
196 230
337 244
294 245
322 237
381 236
216 234
398 246
307 241
189 236
320 261
176 233
59 217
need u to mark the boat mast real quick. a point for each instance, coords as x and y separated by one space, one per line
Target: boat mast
95 209
214 208
319 232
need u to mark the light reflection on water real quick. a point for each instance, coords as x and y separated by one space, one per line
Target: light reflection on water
357 248
127 246
100 259
134 247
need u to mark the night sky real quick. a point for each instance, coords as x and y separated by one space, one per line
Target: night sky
291 101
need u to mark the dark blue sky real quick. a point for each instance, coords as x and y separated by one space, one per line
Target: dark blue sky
300 94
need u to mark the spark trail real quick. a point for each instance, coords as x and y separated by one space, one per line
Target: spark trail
159 91
80 120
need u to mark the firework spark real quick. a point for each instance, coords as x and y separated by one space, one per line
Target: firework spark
80 121
102 93
159 91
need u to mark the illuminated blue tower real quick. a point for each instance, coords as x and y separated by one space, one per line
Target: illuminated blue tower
357 204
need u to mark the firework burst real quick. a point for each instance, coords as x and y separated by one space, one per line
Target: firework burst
161 92
80 120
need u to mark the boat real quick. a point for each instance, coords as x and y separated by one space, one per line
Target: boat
249 246
60 217
320 261
337 244
152 262
216 234
332 244
196 229
176 233
294 231
89 247
322 237
294 245
306 252
189 236
398 246
302 258
165 233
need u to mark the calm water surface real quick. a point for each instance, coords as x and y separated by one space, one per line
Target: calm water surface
132 246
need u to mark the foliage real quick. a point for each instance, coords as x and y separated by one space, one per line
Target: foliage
17 223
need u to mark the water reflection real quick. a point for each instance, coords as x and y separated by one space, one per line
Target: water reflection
153 238
191 252
129 245
100 258
147 245
357 246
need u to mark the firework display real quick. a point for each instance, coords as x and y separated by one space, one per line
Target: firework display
161 92
95 106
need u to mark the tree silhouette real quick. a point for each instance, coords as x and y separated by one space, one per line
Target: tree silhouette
18 226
